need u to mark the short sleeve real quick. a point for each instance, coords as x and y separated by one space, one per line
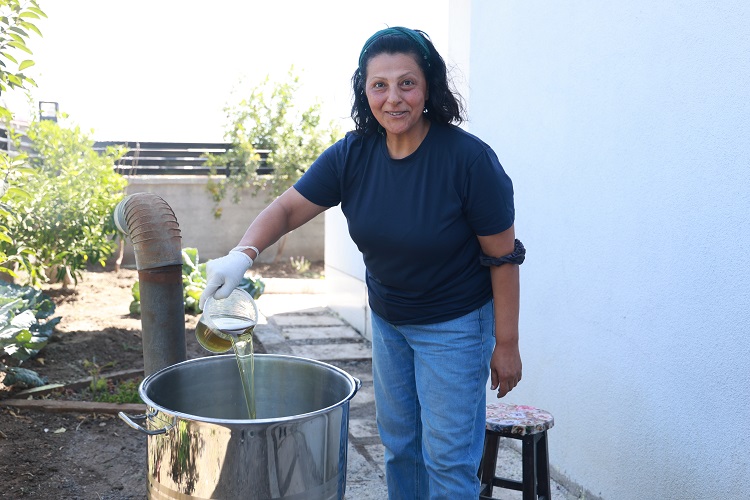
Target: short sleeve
321 184
488 195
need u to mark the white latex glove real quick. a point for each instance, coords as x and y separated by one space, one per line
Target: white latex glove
224 275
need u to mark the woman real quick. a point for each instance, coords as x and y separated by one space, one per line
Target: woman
431 210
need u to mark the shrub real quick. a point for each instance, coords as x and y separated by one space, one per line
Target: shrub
270 118
64 219
25 328
25 323
17 23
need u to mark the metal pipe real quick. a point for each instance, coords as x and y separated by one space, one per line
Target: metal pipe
152 227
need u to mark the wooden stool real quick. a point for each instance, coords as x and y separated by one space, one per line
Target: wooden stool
529 425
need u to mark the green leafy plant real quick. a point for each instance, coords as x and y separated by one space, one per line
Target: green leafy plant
22 378
16 25
98 383
25 328
106 390
125 391
60 218
269 118
300 264
135 304
194 281
25 323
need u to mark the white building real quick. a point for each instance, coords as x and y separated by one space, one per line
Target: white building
626 129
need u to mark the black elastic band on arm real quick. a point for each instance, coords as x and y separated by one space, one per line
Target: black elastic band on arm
516 257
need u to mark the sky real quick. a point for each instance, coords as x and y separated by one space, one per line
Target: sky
163 70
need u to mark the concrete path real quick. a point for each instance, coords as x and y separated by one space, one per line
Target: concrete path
301 325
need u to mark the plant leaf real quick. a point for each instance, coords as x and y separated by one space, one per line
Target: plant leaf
23 377
18 193
9 57
24 320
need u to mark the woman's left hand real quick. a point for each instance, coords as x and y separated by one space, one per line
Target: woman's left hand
505 368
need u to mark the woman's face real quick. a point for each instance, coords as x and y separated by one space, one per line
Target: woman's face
396 90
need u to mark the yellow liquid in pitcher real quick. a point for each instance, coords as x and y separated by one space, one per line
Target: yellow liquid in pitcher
236 333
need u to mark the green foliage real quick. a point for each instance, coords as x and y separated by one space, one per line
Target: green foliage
107 391
194 281
270 118
60 213
15 170
135 305
25 327
22 378
300 264
98 383
16 24
123 392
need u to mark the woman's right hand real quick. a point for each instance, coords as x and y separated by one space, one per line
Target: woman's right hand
224 275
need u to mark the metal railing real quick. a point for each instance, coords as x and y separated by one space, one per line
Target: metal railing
173 158
155 158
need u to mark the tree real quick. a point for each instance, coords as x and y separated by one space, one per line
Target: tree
65 219
16 24
271 119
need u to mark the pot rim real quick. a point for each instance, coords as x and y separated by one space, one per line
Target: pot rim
353 382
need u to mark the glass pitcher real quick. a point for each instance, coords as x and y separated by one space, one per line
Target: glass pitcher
222 319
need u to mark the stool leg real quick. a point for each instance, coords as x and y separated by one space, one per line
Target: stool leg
488 464
542 465
528 459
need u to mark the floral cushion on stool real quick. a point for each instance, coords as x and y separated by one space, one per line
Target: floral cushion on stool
517 420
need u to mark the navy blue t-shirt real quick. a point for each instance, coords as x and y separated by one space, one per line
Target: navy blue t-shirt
416 219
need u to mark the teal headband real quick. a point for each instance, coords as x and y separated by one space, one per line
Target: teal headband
411 34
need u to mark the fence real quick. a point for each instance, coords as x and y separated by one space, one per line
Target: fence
174 158
7 144
156 158
177 171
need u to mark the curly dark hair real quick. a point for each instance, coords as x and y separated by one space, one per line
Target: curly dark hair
444 104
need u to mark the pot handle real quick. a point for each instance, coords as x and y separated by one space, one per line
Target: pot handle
128 419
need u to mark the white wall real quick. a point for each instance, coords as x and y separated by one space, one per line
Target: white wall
345 273
626 129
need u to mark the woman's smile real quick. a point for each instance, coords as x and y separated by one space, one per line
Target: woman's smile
396 90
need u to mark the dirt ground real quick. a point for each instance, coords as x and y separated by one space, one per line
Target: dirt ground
47 455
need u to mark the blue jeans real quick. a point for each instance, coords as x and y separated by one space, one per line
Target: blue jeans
430 383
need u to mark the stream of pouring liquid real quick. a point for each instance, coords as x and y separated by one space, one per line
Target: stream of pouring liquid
241 333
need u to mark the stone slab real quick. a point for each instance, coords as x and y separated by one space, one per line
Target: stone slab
321 333
365 396
358 489
363 428
361 369
365 478
301 320
274 304
377 455
332 352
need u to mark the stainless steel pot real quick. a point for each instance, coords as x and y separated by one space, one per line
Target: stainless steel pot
201 444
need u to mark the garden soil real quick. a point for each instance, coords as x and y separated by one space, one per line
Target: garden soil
84 455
